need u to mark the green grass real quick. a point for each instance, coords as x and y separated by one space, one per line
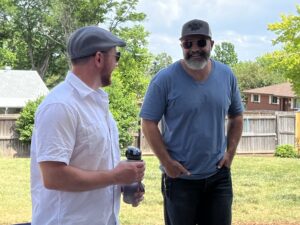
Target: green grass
267 190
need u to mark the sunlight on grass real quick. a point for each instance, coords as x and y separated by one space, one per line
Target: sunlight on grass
266 190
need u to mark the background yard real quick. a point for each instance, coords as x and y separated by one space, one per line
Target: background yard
267 191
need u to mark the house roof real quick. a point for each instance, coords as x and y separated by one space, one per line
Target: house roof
281 90
19 86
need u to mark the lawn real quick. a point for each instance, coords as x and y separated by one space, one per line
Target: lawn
267 191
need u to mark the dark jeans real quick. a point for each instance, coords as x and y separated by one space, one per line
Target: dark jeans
203 202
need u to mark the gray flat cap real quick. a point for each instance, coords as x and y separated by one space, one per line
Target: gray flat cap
88 40
196 27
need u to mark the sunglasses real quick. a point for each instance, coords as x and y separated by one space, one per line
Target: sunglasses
201 43
117 55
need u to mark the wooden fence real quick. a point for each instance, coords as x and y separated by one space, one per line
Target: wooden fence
262 132
10 146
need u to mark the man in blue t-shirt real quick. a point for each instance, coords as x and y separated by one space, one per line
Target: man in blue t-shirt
192 98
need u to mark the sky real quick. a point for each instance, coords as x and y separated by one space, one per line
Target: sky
241 22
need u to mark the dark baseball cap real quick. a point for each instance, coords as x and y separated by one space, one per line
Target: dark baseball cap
88 40
195 27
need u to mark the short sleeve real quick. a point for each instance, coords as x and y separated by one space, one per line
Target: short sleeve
55 133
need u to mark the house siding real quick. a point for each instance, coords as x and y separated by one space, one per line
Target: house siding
264 104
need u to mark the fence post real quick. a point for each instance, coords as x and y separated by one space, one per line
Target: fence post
297 131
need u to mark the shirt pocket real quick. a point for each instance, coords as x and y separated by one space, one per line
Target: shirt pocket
98 140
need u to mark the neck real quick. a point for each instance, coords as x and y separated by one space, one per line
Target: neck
87 76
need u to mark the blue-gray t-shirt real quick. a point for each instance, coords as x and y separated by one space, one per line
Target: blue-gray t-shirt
194 114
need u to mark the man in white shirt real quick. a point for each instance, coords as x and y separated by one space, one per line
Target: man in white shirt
76 173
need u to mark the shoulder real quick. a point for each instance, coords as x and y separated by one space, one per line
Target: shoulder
221 66
60 101
167 74
223 71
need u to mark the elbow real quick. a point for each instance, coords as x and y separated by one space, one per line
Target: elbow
48 184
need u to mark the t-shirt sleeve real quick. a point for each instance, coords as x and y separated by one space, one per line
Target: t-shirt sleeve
154 103
55 133
236 106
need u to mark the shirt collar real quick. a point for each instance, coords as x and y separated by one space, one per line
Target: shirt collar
82 89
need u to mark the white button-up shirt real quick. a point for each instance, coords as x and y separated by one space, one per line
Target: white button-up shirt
73 125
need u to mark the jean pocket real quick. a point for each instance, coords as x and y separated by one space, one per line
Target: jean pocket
167 186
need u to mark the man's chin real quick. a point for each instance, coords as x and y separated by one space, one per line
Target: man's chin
196 64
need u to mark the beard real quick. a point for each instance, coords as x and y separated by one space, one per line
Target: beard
106 79
197 64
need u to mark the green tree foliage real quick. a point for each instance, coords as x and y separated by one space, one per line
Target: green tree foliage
7 56
25 122
160 61
225 53
36 31
288 59
256 74
129 83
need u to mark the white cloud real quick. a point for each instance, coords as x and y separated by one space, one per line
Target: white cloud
243 23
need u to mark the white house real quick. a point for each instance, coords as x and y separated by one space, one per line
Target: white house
17 87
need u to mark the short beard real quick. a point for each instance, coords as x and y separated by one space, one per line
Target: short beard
106 80
195 64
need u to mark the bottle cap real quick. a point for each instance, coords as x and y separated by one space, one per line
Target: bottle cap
133 153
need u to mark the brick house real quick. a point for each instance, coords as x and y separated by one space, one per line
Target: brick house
278 97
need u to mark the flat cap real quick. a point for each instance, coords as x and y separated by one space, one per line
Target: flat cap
88 40
196 27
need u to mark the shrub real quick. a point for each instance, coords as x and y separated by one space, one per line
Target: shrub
25 122
286 151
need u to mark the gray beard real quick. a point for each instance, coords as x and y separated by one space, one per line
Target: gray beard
196 65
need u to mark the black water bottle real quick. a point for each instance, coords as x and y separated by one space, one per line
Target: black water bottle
132 154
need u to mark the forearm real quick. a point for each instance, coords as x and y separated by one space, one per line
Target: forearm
154 139
234 133
59 176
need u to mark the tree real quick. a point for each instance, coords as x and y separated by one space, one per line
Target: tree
7 56
288 59
25 123
255 75
129 83
37 30
225 53
160 61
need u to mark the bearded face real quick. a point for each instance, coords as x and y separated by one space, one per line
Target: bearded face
196 51
197 60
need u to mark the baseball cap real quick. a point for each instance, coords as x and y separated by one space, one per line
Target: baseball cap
88 40
196 27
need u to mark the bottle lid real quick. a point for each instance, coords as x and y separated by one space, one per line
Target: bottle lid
133 153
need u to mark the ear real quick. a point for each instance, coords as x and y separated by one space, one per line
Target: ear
212 43
98 59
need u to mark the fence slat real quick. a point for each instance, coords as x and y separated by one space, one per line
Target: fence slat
261 133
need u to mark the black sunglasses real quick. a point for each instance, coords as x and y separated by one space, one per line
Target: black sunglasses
117 55
201 43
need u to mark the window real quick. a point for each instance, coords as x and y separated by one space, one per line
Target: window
255 98
296 103
273 99
10 110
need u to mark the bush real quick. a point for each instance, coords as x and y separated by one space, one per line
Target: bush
25 122
286 151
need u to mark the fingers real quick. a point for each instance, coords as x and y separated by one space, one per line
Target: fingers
175 170
137 202
138 197
184 171
140 171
